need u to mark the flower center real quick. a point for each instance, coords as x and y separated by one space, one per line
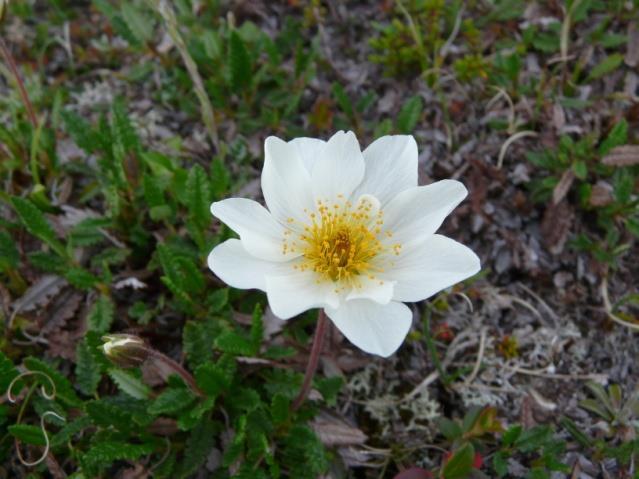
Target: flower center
341 242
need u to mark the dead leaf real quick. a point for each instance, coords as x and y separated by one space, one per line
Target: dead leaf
601 194
555 226
334 431
558 117
562 188
39 293
625 155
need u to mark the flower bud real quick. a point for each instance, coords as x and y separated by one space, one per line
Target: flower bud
125 350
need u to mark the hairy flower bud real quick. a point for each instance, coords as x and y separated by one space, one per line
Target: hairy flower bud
125 350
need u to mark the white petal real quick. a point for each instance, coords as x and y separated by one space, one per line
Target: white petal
391 167
286 183
426 268
416 213
375 289
339 168
261 235
372 327
296 292
308 149
239 269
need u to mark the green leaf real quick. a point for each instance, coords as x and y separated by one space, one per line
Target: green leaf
28 434
198 338
9 254
101 315
66 433
618 136
511 435
63 388
460 465
607 65
198 447
104 412
329 388
410 114
342 99
79 130
80 278
103 454
239 63
212 379
199 196
33 219
87 368
257 329
280 407
500 463
171 401
220 179
450 429
534 438
141 25
7 373
231 342
580 169
129 384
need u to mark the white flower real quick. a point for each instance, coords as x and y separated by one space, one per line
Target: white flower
347 231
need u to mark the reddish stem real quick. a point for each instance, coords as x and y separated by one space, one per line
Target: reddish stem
313 360
178 369
23 91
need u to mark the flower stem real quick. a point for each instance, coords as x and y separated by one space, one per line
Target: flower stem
177 369
313 360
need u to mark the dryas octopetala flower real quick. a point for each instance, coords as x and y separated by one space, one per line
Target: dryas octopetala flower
347 231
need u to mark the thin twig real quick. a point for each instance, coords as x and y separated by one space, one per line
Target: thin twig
480 356
608 308
313 360
6 53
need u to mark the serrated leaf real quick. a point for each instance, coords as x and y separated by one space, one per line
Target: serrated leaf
103 454
511 435
280 406
129 384
220 178
199 197
198 447
66 433
34 221
104 413
212 379
171 401
257 329
28 434
460 464
63 388
80 278
410 114
231 342
239 63
101 315
79 130
87 368
197 341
